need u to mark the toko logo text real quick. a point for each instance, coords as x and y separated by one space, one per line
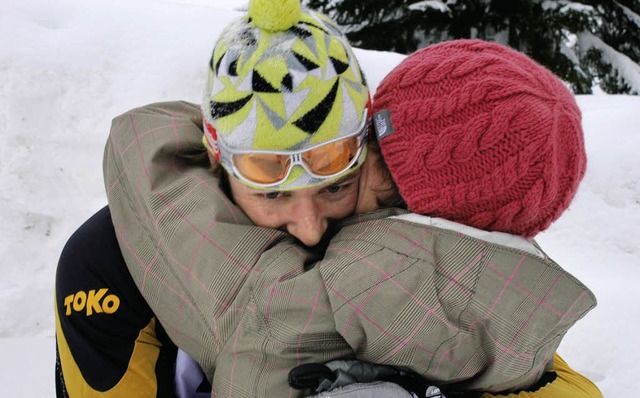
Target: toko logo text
93 302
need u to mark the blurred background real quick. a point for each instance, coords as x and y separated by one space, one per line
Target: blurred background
592 45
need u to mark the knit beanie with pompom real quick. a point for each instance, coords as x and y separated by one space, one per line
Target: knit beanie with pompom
282 78
480 134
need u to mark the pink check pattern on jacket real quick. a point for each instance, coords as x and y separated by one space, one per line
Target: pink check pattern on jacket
249 304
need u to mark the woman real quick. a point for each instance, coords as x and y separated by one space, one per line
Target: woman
389 290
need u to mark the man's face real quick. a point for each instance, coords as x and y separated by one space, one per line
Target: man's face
374 183
303 213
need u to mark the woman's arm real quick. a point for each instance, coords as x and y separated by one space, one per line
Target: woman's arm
451 307
188 248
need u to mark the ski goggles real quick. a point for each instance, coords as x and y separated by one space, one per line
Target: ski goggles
267 168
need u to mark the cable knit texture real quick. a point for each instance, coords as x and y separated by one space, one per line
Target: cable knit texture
483 136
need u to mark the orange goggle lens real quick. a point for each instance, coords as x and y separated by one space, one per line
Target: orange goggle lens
262 168
323 161
332 158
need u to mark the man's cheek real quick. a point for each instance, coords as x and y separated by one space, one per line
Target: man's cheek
266 216
346 207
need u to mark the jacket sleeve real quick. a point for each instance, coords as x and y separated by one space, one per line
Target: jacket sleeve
188 248
108 342
457 310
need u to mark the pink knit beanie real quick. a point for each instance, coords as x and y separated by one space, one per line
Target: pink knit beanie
477 133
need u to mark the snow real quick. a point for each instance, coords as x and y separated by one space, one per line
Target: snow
429 4
631 15
629 70
567 6
68 67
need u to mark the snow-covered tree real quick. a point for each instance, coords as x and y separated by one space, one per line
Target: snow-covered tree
589 43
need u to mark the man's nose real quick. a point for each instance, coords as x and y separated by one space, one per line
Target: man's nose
307 222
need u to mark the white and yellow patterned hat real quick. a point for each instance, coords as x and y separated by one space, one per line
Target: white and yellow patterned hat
283 78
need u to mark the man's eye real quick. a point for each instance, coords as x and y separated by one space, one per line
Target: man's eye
333 188
272 195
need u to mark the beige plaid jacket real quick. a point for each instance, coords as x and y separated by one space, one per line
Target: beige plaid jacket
248 305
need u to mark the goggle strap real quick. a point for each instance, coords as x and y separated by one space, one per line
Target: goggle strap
210 139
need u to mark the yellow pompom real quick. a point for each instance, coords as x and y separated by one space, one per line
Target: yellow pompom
275 15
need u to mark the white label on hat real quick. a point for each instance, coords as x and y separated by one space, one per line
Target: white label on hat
382 124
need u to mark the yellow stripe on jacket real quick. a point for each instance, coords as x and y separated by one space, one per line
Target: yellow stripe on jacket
139 380
568 384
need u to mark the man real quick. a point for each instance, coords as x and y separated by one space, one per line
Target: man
285 82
